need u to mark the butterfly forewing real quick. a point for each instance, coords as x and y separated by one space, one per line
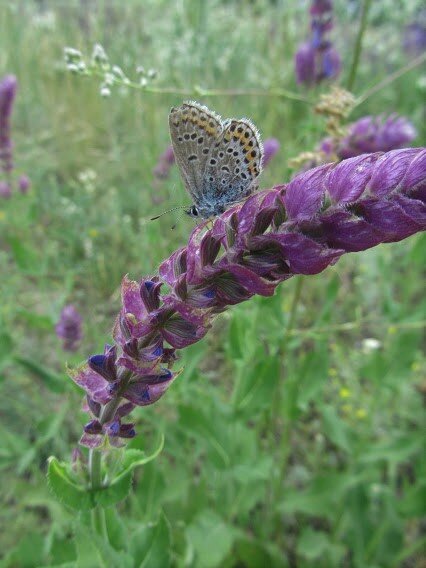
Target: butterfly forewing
193 130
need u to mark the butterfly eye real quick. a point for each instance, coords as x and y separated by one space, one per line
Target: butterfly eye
194 211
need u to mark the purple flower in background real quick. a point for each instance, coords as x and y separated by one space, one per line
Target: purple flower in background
69 328
5 190
8 87
250 249
317 59
372 134
270 147
24 184
165 162
414 39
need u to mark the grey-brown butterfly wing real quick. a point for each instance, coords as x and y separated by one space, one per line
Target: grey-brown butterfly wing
193 131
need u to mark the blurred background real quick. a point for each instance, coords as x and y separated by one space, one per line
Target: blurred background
294 434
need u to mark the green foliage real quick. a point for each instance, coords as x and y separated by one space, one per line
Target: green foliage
68 489
294 436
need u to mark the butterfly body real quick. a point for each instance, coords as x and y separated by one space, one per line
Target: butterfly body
219 160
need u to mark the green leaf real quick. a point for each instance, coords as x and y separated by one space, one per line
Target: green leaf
150 545
26 259
312 544
211 539
257 385
34 320
121 485
335 429
6 346
93 552
254 553
322 497
55 383
65 488
311 375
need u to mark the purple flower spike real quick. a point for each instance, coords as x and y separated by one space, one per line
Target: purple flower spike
317 59
164 164
24 184
304 62
270 147
8 87
69 328
414 40
376 134
299 228
5 190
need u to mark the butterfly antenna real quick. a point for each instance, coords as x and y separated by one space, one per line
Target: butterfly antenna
173 227
169 211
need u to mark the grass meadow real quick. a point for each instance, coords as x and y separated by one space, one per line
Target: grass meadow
294 435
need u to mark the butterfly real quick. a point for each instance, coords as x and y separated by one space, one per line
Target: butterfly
219 160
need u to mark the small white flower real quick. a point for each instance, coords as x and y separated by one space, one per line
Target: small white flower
99 55
105 91
370 344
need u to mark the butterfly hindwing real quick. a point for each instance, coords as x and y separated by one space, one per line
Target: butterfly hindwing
193 131
235 160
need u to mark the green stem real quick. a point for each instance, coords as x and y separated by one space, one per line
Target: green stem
95 458
278 421
202 92
358 44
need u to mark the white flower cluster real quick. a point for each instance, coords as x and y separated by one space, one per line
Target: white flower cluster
100 66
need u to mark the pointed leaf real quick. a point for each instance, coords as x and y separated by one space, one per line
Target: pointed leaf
65 488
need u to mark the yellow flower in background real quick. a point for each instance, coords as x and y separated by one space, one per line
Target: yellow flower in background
361 413
392 330
93 233
344 392
2 215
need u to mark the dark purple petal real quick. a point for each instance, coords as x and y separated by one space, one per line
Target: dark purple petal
343 230
249 280
347 181
180 333
125 409
144 393
93 427
414 179
150 294
389 171
101 364
305 193
302 254
127 431
173 267
94 407
389 218
94 385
